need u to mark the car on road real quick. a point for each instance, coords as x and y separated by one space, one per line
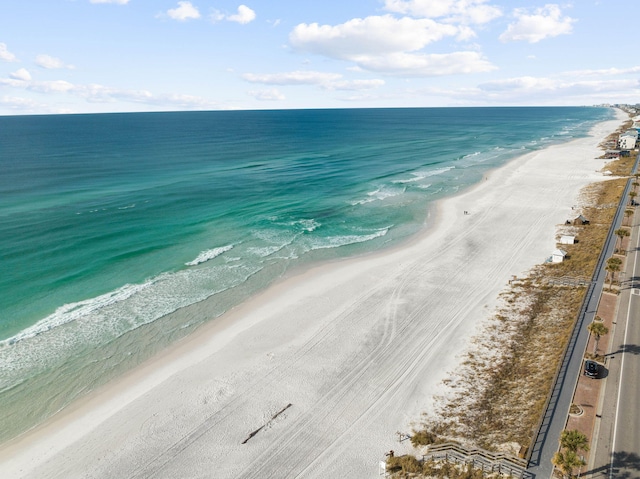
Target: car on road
591 369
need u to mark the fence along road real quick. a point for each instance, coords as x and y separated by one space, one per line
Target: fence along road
559 401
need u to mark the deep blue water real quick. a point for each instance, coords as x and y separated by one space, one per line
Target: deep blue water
110 222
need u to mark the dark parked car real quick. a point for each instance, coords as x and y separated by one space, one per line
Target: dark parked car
591 369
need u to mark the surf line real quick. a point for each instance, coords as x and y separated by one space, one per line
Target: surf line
267 423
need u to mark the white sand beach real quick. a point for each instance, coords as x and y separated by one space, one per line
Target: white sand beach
357 348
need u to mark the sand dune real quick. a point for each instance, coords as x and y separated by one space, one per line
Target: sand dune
357 348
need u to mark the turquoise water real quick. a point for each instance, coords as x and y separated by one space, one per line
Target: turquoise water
110 225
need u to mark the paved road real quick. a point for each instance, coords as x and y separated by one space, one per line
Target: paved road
617 436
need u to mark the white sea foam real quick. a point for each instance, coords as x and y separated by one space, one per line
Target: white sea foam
106 317
209 254
74 311
308 225
422 174
338 241
379 194
265 251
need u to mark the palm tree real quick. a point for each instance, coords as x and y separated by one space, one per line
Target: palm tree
633 195
628 214
567 461
567 458
574 440
613 265
635 185
597 329
621 233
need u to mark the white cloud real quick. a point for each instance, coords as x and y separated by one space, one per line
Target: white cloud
327 81
389 45
56 86
436 64
20 104
458 11
6 55
183 12
586 87
267 95
119 2
369 36
543 23
95 93
14 82
551 90
20 74
355 85
604 71
421 8
525 83
292 78
244 15
49 62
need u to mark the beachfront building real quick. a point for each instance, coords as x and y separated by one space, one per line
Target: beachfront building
558 256
627 140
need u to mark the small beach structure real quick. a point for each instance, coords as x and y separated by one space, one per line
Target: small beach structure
581 220
558 256
567 239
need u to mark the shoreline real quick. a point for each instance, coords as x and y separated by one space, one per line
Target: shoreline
316 340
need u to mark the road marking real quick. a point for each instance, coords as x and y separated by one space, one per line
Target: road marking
626 330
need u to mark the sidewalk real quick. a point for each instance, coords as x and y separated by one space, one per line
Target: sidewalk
589 392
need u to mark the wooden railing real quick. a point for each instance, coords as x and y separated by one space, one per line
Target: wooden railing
486 461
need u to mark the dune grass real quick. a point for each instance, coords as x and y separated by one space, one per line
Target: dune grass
495 400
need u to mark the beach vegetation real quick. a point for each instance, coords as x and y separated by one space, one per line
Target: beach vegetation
574 441
621 166
409 466
567 458
598 329
613 266
404 464
628 213
425 437
566 461
621 233
497 397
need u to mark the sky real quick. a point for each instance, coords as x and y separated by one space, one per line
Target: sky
94 56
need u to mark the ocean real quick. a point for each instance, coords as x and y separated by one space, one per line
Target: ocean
113 225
